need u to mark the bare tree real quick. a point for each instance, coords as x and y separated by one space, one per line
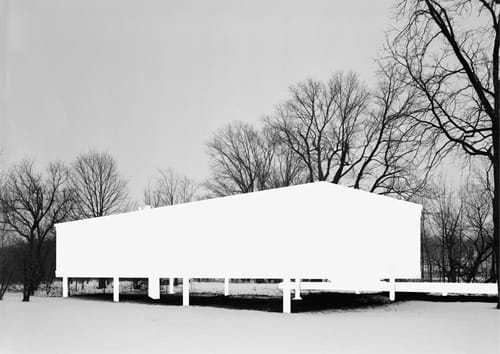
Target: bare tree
428 248
343 133
99 187
241 160
286 167
170 188
31 204
449 52
320 123
457 237
479 237
6 261
479 216
6 269
449 230
391 155
336 131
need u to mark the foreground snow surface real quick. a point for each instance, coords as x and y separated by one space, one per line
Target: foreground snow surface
75 325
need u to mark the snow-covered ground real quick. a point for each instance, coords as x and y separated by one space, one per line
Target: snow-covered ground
76 325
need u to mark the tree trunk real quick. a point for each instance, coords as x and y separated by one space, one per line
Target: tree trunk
102 284
32 291
3 290
26 293
496 163
496 203
4 283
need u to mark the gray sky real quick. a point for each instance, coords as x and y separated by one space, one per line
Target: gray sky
150 80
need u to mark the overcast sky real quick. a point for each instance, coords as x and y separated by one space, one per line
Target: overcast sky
150 80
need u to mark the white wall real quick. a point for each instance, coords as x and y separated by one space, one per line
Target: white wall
317 230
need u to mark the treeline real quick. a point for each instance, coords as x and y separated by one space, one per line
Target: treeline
32 202
457 235
338 130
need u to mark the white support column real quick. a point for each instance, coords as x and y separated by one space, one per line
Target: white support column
392 289
226 286
185 291
65 286
154 288
297 290
287 301
171 285
116 289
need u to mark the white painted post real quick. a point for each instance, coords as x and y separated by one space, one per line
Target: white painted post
185 291
116 289
287 302
154 288
65 286
297 290
171 285
392 289
226 286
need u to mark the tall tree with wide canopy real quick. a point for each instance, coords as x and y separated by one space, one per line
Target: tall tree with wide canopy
99 187
448 51
31 204
344 133
240 160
